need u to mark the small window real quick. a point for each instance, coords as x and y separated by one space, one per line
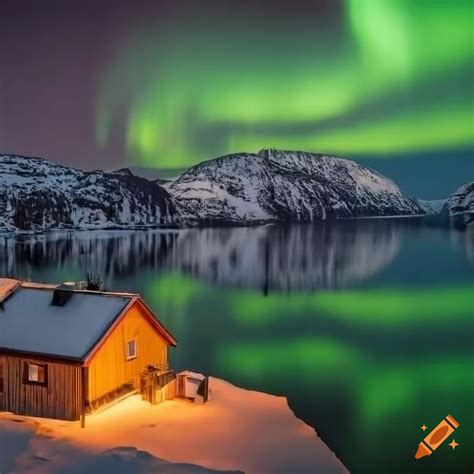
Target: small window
35 374
131 349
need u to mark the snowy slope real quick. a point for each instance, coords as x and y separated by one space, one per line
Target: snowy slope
462 201
285 185
37 195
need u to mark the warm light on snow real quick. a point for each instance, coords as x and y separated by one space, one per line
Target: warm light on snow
237 430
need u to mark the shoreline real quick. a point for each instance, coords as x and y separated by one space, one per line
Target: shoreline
204 225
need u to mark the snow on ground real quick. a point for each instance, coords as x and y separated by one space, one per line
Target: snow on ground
238 430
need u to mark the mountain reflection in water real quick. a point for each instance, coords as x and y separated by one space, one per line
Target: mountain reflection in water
269 259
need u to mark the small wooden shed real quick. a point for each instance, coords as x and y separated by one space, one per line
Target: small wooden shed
66 351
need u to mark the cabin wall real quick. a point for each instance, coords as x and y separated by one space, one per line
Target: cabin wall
109 369
60 397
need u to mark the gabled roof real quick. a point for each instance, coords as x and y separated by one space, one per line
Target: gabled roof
30 324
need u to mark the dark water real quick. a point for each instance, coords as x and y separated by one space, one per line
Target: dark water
367 327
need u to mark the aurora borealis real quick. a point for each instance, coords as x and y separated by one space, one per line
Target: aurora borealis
355 77
166 84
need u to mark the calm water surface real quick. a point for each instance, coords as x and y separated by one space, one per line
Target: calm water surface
367 327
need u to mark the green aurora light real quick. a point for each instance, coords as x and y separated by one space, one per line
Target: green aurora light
392 76
389 308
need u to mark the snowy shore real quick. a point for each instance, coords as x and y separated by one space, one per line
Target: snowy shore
237 431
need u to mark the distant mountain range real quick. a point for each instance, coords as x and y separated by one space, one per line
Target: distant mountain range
37 195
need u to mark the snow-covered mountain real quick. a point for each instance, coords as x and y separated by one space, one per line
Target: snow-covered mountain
285 185
461 203
37 195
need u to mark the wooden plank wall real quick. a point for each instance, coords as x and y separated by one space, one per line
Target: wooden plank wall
168 392
60 399
110 369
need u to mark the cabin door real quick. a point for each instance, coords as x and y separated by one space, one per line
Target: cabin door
3 383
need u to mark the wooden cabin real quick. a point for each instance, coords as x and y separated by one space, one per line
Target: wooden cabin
66 351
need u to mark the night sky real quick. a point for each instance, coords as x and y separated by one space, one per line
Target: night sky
168 84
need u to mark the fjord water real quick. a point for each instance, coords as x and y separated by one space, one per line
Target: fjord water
365 326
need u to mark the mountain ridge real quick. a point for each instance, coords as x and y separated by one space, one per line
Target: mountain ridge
236 189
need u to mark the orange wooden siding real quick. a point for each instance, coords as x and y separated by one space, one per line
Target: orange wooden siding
109 368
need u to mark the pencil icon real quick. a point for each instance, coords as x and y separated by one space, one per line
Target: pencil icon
437 436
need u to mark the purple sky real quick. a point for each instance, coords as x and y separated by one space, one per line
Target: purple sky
51 58
54 55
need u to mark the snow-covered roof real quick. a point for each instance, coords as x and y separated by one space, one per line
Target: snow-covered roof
193 375
30 323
